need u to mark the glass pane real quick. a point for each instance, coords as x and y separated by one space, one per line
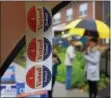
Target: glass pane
85 12
70 17
69 11
81 13
56 21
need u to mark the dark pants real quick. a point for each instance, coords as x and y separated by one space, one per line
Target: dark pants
93 89
51 91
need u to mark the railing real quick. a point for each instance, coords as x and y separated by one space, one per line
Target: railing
105 62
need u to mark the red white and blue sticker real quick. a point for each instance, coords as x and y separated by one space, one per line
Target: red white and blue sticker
46 76
39 49
31 18
47 48
39 18
38 77
47 19
32 50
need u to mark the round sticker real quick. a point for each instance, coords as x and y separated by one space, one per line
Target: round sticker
47 48
47 19
39 49
32 51
30 77
46 76
38 77
43 16
31 18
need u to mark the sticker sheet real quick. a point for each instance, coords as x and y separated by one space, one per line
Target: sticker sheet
38 47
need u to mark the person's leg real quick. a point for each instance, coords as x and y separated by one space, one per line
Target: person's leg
68 77
51 91
95 89
67 71
53 81
90 89
50 94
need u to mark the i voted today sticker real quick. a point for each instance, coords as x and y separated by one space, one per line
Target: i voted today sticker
39 18
47 49
31 18
47 19
39 49
38 77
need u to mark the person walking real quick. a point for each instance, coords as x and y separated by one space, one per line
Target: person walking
55 61
92 56
70 55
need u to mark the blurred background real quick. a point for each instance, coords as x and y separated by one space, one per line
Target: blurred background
15 73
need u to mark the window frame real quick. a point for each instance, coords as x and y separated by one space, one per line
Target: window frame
69 10
83 8
57 18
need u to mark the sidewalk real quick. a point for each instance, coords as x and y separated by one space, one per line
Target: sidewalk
105 92
60 91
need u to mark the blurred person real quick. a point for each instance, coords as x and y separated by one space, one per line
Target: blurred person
92 56
55 61
70 55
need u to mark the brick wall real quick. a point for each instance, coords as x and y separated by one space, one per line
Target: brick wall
76 14
99 10
75 5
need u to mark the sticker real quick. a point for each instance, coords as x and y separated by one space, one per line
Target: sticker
47 19
32 50
31 18
47 48
38 77
46 76
40 16
39 49
42 20
30 78
35 50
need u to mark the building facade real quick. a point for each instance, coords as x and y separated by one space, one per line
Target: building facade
75 10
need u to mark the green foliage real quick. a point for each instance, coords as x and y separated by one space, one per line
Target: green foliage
58 49
20 59
61 69
77 70
22 52
86 87
101 85
107 80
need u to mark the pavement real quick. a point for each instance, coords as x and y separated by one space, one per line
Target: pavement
105 92
60 91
